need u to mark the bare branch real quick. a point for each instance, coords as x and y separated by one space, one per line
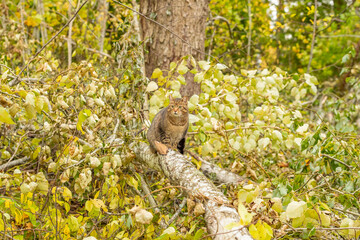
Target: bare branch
14 163
337 160
340 35
181 206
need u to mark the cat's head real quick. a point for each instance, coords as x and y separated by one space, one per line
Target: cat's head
178 106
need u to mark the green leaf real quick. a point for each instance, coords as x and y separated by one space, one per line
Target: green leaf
199 233
5 116
73 223
36 153
83 115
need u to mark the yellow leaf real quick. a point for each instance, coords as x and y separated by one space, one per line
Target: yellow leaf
261 231
182 69
233 225
254 232
5 116
161 80
157 73
245 216
66 230
89 205
33 21
66 194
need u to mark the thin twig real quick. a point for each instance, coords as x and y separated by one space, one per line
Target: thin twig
325 229
147 191
346 211
340 35
240 128
17 148
16 81
337 18
227 23
313 38
335 159
113 135
212 20
8 68
90 49
306 182
181 206
81 161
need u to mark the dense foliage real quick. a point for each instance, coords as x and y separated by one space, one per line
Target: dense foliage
70 125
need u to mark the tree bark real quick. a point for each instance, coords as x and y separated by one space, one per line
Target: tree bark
218 211
221 175
69 37
187 19
103 8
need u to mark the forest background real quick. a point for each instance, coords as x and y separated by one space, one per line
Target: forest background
277 103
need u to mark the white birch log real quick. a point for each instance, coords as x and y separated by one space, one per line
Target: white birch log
218 212
221 175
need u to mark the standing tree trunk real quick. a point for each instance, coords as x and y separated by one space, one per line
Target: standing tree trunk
103 8
187 19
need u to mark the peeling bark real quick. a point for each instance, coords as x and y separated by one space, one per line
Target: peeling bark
218 211
221 175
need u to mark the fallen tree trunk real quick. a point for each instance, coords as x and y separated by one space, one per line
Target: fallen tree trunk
221 175
219 215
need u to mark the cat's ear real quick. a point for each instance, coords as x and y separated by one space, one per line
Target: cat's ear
171 99
185 99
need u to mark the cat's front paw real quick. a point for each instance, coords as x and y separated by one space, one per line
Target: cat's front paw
161 148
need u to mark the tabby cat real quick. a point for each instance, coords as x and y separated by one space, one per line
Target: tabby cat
170 126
